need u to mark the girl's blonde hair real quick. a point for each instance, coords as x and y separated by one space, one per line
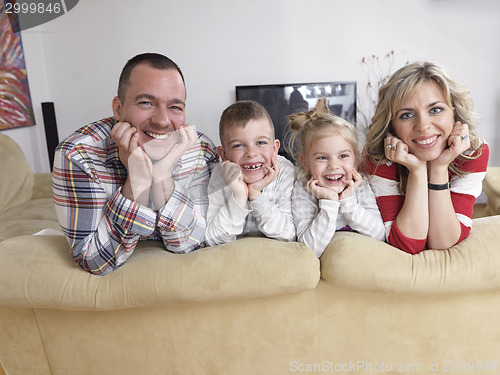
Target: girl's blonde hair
318 123
395 91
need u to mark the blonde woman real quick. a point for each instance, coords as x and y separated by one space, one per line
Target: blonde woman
426 160
330 194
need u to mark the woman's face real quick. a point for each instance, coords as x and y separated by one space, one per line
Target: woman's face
424 121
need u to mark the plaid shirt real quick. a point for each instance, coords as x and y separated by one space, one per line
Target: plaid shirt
102 226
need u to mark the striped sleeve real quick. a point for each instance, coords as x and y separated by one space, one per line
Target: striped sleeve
465 190
315 220
384 182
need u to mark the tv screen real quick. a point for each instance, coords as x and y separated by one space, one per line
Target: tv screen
280 100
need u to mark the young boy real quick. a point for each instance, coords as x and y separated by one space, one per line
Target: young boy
250 191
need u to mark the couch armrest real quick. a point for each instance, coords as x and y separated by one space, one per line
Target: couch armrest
491 187
37 271
361 262
42 188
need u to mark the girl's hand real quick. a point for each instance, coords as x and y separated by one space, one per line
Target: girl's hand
352 185
320 192
397 151
458 142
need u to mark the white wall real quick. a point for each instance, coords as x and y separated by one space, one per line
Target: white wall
76 59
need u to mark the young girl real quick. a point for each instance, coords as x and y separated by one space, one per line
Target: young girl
330 194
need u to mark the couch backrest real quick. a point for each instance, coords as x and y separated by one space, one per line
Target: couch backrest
17 178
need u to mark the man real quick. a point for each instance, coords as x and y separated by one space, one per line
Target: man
141 174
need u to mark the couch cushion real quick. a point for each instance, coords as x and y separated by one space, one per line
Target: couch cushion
360 262
17 176
491 187
37 271
28 218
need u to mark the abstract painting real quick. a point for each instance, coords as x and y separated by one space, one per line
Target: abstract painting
16 109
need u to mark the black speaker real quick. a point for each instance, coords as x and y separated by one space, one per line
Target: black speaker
49 120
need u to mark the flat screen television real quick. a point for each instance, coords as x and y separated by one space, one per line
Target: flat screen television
280 100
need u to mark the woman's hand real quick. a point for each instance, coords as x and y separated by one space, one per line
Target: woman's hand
397 151
458 142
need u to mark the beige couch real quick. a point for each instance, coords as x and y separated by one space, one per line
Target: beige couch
255 306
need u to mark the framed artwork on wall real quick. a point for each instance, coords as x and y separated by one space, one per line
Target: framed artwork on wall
16 109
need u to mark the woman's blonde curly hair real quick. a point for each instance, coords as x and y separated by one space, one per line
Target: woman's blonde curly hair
394 92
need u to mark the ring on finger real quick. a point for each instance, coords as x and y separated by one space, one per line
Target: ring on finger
464 137
391 147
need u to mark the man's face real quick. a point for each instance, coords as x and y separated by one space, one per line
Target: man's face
154 104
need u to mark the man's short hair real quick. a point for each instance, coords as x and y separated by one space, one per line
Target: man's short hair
154 60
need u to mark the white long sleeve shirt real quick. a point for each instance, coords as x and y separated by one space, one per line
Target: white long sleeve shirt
269 214
317 221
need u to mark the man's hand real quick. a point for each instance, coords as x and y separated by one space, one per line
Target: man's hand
163 184
232 175
185 137
139 166
126 138
255 188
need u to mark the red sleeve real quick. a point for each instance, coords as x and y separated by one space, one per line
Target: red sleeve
463 203
408 245
389 202
465 232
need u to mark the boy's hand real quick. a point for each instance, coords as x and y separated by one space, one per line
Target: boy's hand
255 189
231 173
352 185
320 192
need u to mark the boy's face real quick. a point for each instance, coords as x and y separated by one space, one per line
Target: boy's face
252 147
